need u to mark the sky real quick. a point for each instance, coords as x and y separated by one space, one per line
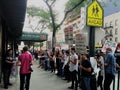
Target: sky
110 9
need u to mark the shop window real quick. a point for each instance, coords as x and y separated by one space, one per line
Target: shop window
110 39
110 31
111 24
116 22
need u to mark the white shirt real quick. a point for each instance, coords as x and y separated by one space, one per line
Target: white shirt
73 66
94 64
66 61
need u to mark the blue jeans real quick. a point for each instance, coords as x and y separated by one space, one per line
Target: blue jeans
86 82
46 64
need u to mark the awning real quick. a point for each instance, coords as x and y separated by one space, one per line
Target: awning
35 37
13 12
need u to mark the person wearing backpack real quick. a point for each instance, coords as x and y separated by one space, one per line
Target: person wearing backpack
86 69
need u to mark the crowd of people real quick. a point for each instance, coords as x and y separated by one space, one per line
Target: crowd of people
82 71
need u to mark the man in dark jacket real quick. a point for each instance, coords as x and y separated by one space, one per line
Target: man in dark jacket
8 63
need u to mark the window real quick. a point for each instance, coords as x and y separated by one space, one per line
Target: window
116 22
111 23
110 39
106 24
116 31
116 39
106 38
106 32
110 31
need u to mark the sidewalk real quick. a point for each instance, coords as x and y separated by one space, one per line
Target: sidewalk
41 80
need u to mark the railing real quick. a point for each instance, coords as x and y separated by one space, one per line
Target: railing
116 81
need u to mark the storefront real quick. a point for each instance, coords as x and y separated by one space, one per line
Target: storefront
12 16
0 49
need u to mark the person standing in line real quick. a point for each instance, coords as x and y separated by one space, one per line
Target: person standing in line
8 64
62 58
79 72
58 61
100 63
73 69
110 68
66 66
25 60
52 62
86 69
46 56
93 82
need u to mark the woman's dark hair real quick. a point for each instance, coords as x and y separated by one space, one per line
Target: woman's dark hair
73 49
25 48
67 52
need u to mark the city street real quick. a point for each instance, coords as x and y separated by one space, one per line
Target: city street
44 80
61 35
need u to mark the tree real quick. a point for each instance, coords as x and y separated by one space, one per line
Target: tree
50 5
39 45
76 11
73 5
42 17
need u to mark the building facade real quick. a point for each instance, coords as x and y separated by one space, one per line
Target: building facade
12 16
112 27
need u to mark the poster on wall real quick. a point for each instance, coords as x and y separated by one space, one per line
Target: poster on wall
68 35
80 43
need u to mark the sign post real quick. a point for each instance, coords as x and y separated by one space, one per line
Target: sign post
94 19
95 14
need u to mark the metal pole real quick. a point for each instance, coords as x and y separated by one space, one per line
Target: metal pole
92 42
118 79
114 84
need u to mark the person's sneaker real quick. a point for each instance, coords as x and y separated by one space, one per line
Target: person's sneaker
5 87
70 87
10 84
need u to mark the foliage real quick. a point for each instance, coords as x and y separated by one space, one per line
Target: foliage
76 11
72 3
35 11
42 16
51 15
39 44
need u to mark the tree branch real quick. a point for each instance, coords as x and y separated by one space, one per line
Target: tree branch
53 2
67 12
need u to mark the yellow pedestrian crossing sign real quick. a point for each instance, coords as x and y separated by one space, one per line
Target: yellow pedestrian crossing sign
95 14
